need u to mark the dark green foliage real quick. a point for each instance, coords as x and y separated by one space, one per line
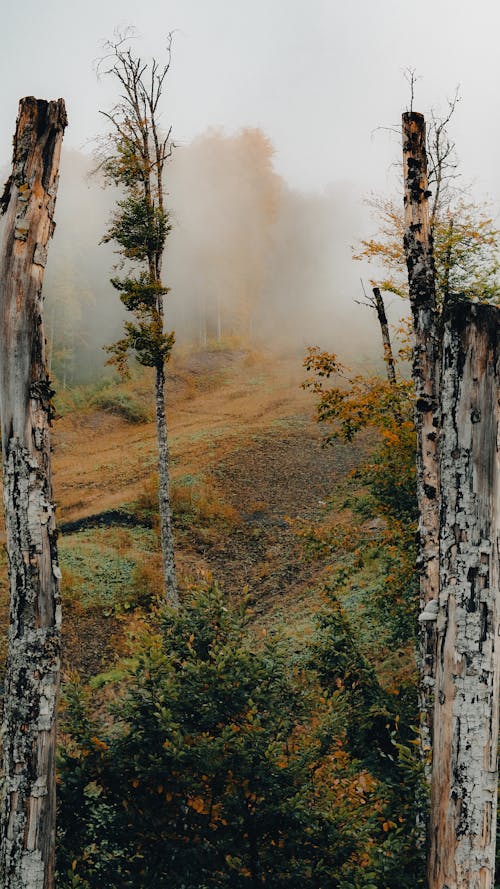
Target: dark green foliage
150 344
139 294
390 476
380 734
124 405
145 337
138 227
340 665
219 769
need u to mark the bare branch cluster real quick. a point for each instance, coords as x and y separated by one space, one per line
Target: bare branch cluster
442 158
135 117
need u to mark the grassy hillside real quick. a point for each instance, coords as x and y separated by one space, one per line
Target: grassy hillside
297 681
246 459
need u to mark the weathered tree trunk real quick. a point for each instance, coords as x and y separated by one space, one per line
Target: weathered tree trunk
166 530
457 380
464 776
386 337
426 370
27 826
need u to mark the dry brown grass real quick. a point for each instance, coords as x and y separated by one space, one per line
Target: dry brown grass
214 405
148 580
218 404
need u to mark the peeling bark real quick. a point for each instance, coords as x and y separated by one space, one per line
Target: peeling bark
457 379
27 822
426 364
464 777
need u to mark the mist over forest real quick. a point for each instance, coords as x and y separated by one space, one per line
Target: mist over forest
247 257
250 599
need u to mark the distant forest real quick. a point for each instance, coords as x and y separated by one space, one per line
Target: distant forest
247 257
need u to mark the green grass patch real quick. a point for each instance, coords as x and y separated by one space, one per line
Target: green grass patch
124 405
99 566
292 421
110 394
80 398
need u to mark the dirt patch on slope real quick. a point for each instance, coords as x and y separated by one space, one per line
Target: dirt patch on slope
275 476
237 422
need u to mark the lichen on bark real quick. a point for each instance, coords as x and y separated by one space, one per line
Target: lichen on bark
27 814
426 370
464 779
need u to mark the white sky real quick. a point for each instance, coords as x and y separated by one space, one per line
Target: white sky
319 76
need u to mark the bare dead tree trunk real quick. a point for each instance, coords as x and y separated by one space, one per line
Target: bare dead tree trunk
27 825
457 381
426 364
464 774
386 337
167 535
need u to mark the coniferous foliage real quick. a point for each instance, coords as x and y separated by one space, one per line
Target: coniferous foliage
222 764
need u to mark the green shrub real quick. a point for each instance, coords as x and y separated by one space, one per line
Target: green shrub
124 405
100 575
80 398
214 768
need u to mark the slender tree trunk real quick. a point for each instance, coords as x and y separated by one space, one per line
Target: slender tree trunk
27 824
166 530
386 337
426 363
164 505
464 775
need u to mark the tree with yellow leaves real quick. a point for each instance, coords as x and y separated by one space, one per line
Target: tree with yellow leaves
466 249
465 237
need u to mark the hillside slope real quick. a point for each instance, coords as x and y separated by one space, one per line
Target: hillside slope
246 457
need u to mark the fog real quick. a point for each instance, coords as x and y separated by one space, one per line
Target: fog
248 258
263 250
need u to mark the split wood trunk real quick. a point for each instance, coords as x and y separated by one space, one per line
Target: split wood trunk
426 371
27 822
464 770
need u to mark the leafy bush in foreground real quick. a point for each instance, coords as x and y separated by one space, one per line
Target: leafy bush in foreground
216 768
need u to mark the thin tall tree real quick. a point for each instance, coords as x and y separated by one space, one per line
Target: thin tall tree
27 822
376 301
134 158
418 245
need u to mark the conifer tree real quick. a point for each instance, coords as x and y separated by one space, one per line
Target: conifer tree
134 157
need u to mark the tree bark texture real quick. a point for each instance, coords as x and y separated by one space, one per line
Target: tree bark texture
464 776
426 371
386 337
166 529
27 825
